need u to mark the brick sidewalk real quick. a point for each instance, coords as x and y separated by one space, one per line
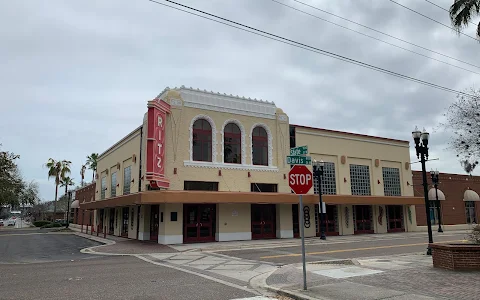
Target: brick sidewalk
392 277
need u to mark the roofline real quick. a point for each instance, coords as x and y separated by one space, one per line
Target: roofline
418 173
351 133
120 141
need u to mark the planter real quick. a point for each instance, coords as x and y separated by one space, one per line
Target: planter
456 256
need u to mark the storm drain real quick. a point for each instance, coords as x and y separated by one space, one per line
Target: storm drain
334 262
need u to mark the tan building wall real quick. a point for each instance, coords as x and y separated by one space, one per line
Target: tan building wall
125 153
230 177
233 222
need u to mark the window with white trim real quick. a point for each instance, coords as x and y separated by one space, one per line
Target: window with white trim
391 181
360 180
202 141
260 146
329 182
232 144
127 179
113 186
103 187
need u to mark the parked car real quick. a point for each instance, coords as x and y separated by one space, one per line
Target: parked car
11 222
1 222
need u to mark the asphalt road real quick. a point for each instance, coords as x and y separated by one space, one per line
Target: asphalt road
343 250
34 246
36 264
110 277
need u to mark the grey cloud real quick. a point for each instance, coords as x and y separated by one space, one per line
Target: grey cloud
76 78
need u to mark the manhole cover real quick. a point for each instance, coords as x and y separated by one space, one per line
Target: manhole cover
334 262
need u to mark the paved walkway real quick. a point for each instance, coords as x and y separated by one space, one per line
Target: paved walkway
394 277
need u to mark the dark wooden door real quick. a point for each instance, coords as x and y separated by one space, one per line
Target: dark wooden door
154 222
100 220
363 219
331 226
125 216
296 221
199 223
263 221
111 223
395 218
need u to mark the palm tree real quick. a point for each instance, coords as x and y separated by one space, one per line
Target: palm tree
461 13
66 182
57 170
82 173
92 163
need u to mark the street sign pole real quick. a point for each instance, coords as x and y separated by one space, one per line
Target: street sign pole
302 233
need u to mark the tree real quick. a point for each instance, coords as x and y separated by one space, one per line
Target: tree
468 166
92 163
462 12
463 120
29 194
82 173
11 183
57 170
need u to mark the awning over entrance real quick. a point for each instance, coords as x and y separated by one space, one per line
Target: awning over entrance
159 197
75 204
432 196
470 195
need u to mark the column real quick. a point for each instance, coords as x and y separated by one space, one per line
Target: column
284 222
144 225
233 222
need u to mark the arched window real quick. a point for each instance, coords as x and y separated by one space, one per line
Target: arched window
202 140
260 146
232 144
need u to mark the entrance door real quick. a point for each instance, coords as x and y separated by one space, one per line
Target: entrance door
125 222
363 219
395 218
296 221
100 220
263 221
199 223
154 222
111 223
331 225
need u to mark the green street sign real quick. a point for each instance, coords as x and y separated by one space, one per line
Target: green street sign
302 150
299 160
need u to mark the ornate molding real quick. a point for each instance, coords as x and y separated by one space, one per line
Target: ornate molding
270 142
283 118
214 136
242 133
209 165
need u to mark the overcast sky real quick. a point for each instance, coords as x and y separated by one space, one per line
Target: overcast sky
76 75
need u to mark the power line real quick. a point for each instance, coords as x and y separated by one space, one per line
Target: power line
386 34
372 37
433 20
304 46
434 4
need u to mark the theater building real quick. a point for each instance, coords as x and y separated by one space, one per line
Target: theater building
206 166
458 197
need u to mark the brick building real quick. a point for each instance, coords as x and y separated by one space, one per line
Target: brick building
459 200
84 195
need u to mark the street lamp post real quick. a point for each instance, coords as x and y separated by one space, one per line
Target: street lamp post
68 207
421 147
318 172
434 175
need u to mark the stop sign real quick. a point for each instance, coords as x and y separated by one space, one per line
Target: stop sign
300 179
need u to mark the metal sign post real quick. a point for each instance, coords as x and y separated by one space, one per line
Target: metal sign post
302 234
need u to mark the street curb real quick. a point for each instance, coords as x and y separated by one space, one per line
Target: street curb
292 294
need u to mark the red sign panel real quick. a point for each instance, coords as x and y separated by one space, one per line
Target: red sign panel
300 179
156 124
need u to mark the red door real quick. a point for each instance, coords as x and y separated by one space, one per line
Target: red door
154 222
296 221
395 218
199 223
331 227
263 221
363 219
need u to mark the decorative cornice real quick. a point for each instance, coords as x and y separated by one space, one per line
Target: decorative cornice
243 142
270 142
204 164
214 136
